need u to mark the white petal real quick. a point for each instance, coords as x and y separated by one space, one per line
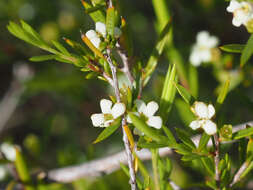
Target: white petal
202 38
118 109
95 41
151 108
210 127
97 119
195 59
141 106
233 6
212 42
155 121
106 106
9 151
205 55
117 32
101 28
201 109
91 34
237 22
195 124
211 111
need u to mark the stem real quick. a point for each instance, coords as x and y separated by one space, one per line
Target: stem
155 169
125 138
124 57
217 160
237 176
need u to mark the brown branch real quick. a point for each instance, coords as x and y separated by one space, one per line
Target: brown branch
237 176
111 163
217 160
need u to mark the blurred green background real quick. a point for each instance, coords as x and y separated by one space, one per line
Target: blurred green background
52 121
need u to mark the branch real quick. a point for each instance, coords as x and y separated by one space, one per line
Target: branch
111 163
237 176
21 73
217 159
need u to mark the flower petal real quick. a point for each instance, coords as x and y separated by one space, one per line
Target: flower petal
141 106
151 108
101 28
97 119
95 41
108 123
9 151
118 109
91 34
155 121
210 127
195 124
201 109
106 106
233 6
211 111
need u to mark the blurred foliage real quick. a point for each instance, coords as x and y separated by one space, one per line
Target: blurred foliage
52 123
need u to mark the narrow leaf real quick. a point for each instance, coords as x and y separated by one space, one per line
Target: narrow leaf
61 48
188 98
97 16
108 131
223 92
243 133
247 51
171 138
42 58
184 137
203 141
233 48
168 93
110 21
157 51
193 80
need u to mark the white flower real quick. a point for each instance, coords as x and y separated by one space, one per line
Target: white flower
3 172
147 112
202 50
94 36
242 12
9 151
109 113
204 113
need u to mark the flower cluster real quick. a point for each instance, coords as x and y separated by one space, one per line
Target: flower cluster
95 36
109 113
242 12
204 113
202 50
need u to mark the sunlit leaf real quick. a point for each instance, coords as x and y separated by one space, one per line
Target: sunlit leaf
188 98
233 48
243 133
247 51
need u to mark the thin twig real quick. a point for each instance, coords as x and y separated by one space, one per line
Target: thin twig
237 176
125 60
125 139
217 160
111 163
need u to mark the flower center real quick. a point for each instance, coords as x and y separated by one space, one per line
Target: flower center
108 117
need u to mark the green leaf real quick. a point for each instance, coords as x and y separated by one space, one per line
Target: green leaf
97 16
157 51
43 58
223 93
151 145
188 98
148 131
193 80
108 131
203 141
61 48
190 157
184 137
233 48
247 51
243 133
23 171
168 93
110 21
171 139
30 30
208 165
247 170
182 149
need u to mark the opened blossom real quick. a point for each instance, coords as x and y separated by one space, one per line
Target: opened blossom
202 50
9 151
204 115
95 35
147 113
242 12
109 113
